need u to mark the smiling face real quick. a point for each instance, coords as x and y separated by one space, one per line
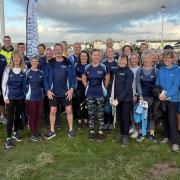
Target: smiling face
168 61
134 60
21 48
34 63
41 50
123 61
96 56
110 53
17 60
58 51
147 61
127 50
7 41
49 54
83 58
77 48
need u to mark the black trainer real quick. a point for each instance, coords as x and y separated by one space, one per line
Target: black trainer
16 136
91 135
124 141
100 136
34 138
9 143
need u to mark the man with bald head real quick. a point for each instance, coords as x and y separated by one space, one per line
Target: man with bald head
109 44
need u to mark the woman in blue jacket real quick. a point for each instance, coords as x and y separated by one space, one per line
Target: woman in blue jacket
13 86
123 96
169 79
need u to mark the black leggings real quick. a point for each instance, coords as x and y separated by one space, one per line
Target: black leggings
14 111
123 114
170 122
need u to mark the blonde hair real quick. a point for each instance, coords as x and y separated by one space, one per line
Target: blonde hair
134 54
16 53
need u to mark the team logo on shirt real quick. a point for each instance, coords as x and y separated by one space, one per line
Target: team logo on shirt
64 66
171 74
122 74
152 76
100 72
21 75
40 76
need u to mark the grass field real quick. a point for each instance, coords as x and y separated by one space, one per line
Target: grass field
81 159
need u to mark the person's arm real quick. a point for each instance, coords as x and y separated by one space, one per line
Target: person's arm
106 80
78 78
138 82
4 85
84 80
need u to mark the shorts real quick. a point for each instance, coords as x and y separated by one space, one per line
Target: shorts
62 101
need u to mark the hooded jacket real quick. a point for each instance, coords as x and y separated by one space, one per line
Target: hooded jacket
169 80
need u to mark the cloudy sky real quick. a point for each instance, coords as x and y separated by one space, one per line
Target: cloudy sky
86 20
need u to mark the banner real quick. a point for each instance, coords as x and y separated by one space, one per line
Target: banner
32 37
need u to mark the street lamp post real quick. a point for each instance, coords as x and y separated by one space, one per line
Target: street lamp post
162 32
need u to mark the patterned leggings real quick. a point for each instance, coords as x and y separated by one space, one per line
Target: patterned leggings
95 105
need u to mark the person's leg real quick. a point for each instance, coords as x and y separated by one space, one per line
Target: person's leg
19 109
39 106
53 109
100 113
178 117
173 128
79 101
69 114
91 104
10 117
119 115
31 107
52 117
125 117
166 124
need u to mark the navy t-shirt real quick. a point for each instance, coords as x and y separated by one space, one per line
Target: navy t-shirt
60 78
95 77
34 85
79 72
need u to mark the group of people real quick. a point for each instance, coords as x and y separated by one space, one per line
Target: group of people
140 90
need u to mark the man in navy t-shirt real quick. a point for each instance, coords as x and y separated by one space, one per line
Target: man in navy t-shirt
59 84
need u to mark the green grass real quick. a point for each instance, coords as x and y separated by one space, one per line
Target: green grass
81 159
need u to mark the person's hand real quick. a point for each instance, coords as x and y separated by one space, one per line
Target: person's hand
6 101
134 99
69 94
50 95
141 99
115 102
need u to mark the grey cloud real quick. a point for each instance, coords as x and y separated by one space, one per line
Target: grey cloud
101 15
